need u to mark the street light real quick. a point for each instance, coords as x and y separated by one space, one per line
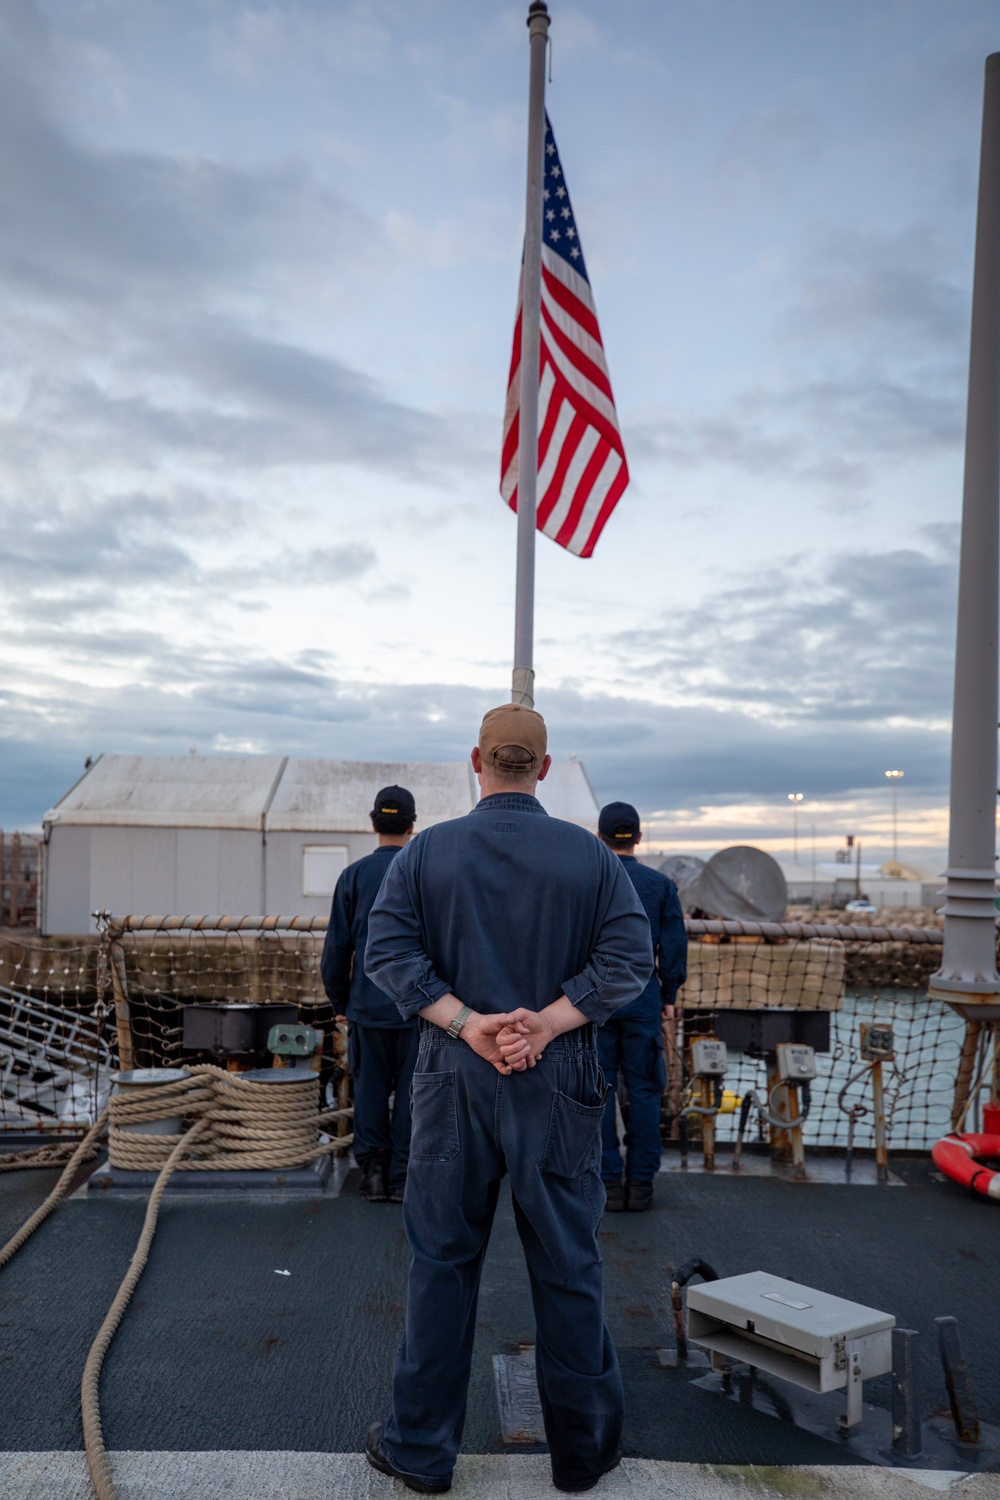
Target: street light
795 798
895 777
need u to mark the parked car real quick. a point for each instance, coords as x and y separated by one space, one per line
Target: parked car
861 905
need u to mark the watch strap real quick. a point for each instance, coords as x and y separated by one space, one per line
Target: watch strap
459 1020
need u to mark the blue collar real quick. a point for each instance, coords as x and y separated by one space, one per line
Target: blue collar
511 802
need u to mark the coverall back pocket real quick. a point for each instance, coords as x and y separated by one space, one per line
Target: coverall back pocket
434 1111
574 1140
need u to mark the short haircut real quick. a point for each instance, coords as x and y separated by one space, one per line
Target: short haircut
392 823
514 764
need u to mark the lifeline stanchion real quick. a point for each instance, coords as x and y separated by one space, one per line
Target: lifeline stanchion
906 1437
958 1381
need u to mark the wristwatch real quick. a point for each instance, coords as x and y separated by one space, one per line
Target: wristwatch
459 1020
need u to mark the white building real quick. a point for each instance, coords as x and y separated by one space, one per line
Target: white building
239 835
833 881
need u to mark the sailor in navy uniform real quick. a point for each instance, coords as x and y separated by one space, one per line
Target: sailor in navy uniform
631 1041
382 1044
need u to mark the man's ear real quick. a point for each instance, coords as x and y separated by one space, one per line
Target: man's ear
638 838
477 760
543 769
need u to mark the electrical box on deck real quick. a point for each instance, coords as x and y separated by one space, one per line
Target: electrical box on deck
877 1042
796 1064
294 1041
708 1057
811 1338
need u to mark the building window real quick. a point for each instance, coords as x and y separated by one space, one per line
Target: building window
322 866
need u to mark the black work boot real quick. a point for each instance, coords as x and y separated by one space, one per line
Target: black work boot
373 1181
578 1486
376 1457
638 1196
616 1197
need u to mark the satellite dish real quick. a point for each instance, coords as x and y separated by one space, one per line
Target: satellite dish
741 884
682 870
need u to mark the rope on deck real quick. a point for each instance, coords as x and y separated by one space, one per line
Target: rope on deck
54 1154
86 1149
237 1125
253 1126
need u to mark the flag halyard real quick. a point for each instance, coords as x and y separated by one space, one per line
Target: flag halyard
582 472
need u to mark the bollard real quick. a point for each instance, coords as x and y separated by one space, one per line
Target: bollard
133 1083
906 1439
956 1378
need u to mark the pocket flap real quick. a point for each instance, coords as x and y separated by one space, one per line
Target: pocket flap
434 1111
574 1139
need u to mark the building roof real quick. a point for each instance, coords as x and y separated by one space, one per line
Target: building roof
339 794
281 793
171 791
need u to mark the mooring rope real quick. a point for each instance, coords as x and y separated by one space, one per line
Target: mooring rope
254 1126
237 1125
90 1389
87 1148
53 1154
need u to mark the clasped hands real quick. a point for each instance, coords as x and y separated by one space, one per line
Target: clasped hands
511 1042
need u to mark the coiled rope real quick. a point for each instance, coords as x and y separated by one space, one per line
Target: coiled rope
233 1124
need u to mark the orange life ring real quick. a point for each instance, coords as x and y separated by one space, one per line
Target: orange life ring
956 1155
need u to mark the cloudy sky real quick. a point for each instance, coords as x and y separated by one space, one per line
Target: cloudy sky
258 269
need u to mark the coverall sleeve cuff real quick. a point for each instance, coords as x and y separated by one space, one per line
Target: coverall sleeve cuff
581 993
422 995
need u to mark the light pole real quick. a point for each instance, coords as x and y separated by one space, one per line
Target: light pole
795 798
895 777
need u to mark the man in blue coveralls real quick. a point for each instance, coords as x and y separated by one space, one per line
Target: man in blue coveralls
382 1045
512 935
631 1042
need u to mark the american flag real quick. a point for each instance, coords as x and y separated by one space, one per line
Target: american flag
582 471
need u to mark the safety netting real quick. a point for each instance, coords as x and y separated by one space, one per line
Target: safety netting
70 1014
859 998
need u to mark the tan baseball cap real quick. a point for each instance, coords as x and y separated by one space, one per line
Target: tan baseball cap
513 724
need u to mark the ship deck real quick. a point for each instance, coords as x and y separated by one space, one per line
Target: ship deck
227 1378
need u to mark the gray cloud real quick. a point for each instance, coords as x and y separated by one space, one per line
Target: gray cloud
879 294
106 227
812 677
873 337
754 159
852 640
141 292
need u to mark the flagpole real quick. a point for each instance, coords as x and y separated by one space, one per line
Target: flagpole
523 687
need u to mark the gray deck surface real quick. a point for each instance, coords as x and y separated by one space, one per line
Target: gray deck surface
346 1476
218 1353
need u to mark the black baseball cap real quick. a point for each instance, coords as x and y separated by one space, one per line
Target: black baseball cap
619 822
395 800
